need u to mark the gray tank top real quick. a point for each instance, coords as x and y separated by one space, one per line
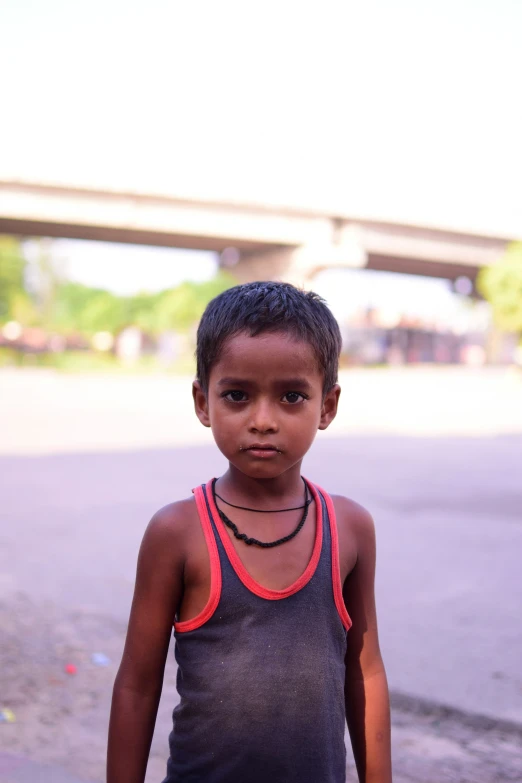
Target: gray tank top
261 672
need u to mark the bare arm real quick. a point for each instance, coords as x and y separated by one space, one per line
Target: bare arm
139 681
366 688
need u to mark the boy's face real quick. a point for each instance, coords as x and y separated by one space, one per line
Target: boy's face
265 402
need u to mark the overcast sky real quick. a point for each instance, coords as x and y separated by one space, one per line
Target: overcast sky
403 110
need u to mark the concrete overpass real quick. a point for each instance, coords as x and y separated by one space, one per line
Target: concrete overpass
259 242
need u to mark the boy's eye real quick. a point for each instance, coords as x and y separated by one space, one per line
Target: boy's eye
235 396
293 397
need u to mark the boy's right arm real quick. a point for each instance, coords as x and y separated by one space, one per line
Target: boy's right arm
137 689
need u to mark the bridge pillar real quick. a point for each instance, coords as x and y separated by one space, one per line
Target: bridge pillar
299 265
271 264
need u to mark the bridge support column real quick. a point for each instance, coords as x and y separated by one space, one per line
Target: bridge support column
299 265
276 264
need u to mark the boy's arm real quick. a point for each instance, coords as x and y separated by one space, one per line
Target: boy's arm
139 681
366 688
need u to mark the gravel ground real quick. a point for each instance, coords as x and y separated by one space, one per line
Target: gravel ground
61 719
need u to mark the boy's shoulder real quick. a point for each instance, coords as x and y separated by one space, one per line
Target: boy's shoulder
174 514
351 514
355 532
172 524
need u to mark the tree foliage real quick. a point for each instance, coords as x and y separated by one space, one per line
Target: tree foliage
79 308
12 266
501 285
181 308
72 308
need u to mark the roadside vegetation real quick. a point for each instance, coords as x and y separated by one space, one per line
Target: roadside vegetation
47 320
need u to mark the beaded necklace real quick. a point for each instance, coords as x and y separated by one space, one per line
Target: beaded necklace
254 541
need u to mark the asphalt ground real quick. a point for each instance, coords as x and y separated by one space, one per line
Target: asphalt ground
436 457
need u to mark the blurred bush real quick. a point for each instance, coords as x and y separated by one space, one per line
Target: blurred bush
15 302
501 285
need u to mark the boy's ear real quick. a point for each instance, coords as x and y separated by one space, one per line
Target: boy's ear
200 403
329 409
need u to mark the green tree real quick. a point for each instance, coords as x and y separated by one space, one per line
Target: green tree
142 310
12 266
501 285
79 308
181 308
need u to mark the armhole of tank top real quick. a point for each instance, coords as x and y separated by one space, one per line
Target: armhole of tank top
215 569
336 570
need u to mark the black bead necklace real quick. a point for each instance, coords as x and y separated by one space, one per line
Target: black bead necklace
254 541
307 502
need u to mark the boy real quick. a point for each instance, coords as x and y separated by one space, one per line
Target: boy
261 573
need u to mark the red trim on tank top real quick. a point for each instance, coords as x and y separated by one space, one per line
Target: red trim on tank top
336 568
249 582
215 569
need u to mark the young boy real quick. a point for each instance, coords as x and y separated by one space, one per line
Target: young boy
261 573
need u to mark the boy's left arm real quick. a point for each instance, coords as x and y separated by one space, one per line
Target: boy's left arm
366 688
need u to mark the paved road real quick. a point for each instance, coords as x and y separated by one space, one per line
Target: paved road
448 510
449 584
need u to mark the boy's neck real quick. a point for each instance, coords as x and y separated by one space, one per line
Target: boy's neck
237 486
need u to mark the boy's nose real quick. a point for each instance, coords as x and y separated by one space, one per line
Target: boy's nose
263 419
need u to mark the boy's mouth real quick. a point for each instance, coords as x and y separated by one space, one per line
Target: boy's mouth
262 450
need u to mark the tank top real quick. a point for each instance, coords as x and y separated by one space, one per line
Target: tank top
261 672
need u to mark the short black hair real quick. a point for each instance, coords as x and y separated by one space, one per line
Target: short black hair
269 307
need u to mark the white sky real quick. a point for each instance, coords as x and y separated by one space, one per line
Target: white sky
403 110
349 291
407 110
128 269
